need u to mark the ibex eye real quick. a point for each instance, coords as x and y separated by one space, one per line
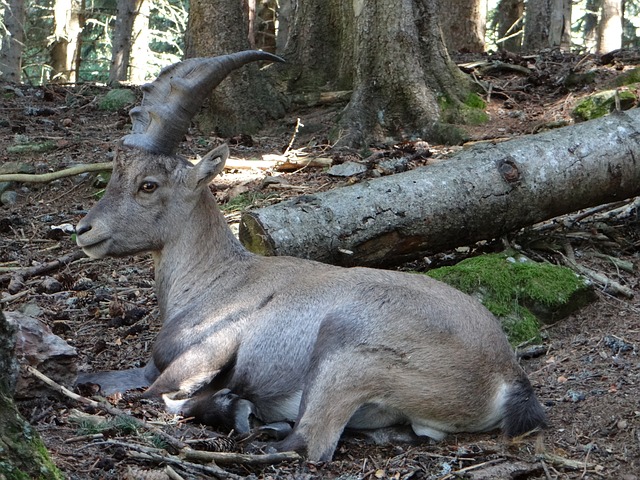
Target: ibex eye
148 187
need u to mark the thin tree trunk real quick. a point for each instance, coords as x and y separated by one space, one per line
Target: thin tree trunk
610 27
481 193
123 40
590 28
138 64
12 41
64 48
464 24
509 20
547 24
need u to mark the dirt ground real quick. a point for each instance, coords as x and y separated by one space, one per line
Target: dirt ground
587 373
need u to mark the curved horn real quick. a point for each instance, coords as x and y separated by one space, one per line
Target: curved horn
171 100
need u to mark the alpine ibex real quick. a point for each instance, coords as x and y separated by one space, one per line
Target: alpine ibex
282 338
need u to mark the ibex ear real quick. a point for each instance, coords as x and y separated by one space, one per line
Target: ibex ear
210 166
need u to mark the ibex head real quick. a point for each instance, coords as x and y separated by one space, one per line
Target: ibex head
151 187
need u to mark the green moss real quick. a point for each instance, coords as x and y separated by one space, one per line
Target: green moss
520 293
473 100
242 201
116 99
448 134
469 112
602 103
627 78
23 454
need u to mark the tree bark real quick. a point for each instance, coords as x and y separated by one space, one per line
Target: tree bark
318 45
12 41
481 193
124 38
403 74
22 453
610 27
64 48
509 18
547 25
464 24
590 27
245 100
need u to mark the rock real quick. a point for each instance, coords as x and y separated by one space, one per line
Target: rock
16 167
51 285
38 347
393 165
347 169
602 103
9 197
83 283
116 99
4 186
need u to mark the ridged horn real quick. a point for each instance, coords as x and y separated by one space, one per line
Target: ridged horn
171 100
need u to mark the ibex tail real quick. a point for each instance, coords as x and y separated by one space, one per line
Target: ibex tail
523 412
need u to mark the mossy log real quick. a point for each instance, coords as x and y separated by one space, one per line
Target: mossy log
481 193
23 456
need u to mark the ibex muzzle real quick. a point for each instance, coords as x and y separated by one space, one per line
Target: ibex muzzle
286 339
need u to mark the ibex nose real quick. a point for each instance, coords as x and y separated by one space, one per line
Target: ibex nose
82 228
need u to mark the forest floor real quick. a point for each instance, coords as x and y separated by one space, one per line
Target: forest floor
587 374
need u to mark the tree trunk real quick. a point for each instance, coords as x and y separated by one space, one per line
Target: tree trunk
509 20
610 27
124 39
22 453
138 65
590 27
481 193
464 24
547 25
403 74
318 45
64 48
12 41
245 101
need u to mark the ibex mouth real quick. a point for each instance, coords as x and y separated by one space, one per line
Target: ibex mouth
96 249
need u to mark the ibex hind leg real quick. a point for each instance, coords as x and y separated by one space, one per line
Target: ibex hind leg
336 388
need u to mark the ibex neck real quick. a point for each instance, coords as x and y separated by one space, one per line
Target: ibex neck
202 249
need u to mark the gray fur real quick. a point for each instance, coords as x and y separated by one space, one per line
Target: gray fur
286 339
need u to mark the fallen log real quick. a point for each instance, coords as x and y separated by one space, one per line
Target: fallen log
481 193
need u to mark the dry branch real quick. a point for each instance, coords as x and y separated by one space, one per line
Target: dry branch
481 193
16 279
49 177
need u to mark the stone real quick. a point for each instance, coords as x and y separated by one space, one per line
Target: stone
347 169
38 347
9 197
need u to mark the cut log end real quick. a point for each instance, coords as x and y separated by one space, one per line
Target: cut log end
254 236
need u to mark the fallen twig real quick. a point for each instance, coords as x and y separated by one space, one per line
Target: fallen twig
174 442
601 279
224 458
161 456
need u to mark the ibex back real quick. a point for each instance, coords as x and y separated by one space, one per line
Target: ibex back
282 338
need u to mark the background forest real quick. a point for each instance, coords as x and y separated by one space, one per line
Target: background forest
85 40
327 46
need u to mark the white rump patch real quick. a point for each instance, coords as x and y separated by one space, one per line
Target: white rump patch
173 406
